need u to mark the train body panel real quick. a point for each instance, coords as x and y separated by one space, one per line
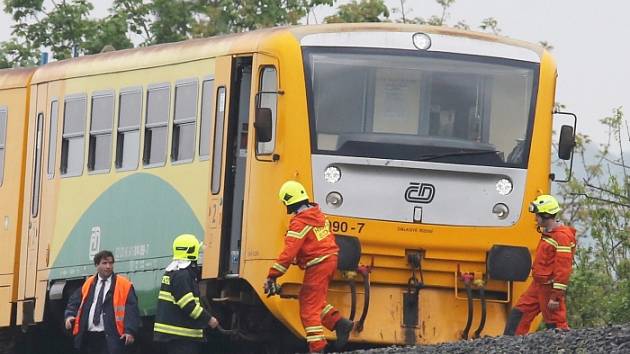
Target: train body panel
14 98
88 208
361 114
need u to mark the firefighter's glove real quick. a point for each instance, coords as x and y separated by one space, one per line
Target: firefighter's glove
271 287
557 295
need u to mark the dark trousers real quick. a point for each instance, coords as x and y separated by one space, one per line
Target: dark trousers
183 347
94 343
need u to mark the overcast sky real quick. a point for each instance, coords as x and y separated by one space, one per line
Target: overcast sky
590 42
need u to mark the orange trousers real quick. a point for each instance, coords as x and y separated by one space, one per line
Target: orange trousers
534 301
315 312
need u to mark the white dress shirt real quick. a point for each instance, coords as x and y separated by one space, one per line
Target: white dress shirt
91 326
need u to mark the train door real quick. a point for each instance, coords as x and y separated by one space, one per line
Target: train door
12 133
32 206
229 161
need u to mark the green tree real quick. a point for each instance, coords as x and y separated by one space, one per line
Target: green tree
173 20
137 15
362 11
63 29
15 54
228 16
490 24
598 204
110 31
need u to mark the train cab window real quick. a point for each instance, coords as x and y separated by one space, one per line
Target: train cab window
184 123
156 125
207 91
3 141
72 143
52 138
217 151
100 150
268 98
128 136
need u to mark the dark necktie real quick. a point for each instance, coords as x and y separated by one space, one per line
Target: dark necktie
99 305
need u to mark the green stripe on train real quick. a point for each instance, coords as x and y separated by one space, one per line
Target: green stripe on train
136 218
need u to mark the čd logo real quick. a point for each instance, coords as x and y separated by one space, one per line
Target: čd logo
420 193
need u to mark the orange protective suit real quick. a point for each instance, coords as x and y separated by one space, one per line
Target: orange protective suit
551 270
310 244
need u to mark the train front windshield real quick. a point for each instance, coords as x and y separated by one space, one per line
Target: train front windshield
417 106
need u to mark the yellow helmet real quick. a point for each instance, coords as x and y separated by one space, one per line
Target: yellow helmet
186 247
544 204
292 192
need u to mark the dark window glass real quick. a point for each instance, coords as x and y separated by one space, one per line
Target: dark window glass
269 99
3 141
154 145
206 114
183 142
128 138
155 133
72 143
437 107
99 156
39 135
52 138
184 121
102 158
217 155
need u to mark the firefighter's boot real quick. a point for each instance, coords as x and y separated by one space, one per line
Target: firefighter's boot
343 328
513 321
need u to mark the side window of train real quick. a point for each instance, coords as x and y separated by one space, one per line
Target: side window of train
156 125
100 145
184 122
52 138
3 140
72 142
128 135
217 151
37 156
207 92
268 98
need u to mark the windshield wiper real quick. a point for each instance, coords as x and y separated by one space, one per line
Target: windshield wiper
461 153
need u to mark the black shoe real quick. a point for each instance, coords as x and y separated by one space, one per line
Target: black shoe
343 329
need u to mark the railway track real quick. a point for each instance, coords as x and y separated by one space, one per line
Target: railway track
611 339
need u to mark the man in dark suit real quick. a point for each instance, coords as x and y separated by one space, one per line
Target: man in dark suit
103 314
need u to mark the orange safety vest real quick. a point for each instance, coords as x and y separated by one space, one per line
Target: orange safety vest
121 291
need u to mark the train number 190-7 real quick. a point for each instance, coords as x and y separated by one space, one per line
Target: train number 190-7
342 226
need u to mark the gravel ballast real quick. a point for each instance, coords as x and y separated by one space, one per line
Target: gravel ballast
610 339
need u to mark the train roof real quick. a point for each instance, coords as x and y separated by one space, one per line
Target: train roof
246 42
15 78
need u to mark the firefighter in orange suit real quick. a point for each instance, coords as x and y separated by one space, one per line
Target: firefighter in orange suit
551 270
311 244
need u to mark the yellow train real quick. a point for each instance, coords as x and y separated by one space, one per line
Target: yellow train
424 146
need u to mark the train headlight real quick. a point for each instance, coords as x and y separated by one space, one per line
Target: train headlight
501 210
504 186
421 40
332 174
334 200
